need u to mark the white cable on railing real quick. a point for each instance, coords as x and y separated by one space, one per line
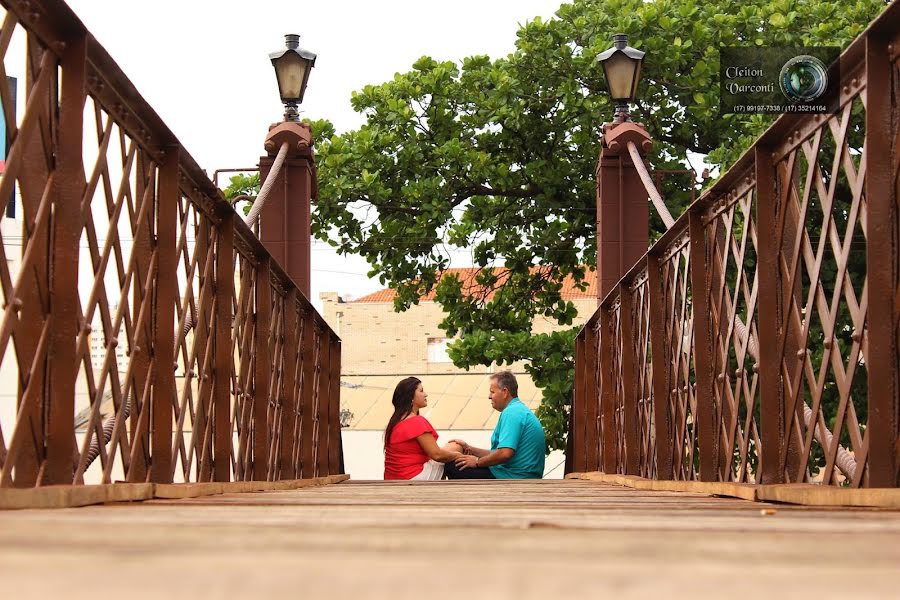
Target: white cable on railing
844 460
252 218
253 215
654 194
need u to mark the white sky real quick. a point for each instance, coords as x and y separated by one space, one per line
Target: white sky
203 65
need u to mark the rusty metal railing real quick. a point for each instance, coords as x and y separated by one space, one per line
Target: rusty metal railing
146 334
757 341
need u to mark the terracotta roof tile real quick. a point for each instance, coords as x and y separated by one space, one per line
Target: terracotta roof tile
467 276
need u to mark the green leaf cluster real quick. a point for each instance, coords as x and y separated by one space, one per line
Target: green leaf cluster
499 155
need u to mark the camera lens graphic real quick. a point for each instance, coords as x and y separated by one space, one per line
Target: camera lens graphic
803 78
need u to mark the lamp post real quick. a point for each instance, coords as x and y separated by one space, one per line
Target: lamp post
292 66
623 218
284 218
622 67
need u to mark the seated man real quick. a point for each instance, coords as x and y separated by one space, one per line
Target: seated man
517 444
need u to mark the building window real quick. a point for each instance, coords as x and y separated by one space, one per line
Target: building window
437 350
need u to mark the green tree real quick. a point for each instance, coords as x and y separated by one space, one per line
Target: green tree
499 155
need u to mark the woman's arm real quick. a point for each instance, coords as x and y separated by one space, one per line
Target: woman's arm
467 449
435 452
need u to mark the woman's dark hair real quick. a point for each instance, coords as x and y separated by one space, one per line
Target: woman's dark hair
403 404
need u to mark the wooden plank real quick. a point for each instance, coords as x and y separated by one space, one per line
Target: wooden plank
820 495
605 539
197 490
68 496
709 488
799 493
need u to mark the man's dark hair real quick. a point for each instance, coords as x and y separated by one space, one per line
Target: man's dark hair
506 380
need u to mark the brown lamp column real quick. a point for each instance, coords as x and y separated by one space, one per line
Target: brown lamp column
284 226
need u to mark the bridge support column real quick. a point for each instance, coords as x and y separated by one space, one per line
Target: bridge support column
284 227
623 218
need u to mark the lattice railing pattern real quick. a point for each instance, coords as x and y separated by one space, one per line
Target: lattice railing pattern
733 290
146 334
613 336
638 299
773 310
677 346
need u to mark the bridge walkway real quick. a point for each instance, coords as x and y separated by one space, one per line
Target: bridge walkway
533 539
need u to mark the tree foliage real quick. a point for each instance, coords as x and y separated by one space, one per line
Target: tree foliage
499 155
242 184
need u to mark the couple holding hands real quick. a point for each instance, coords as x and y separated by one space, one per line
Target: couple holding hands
410 442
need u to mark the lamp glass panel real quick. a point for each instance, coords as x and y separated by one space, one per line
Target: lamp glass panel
290 70
637 79
620 76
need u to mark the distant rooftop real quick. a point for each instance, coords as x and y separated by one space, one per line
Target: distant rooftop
471 288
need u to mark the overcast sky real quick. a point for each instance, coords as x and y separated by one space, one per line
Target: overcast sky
203 65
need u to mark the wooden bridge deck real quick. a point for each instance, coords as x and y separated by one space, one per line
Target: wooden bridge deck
466 540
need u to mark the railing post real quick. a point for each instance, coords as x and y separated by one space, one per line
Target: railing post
629 385
308 362
576 446
164 319
224 356
68 189
204 337
707 417
660 372
322 402
607 392
591 395
138 466
771 398
882 354
322 397
335 449
263 372
289 408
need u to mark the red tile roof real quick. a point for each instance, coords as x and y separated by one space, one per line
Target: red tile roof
467 277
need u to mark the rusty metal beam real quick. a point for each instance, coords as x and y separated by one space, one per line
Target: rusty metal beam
883 264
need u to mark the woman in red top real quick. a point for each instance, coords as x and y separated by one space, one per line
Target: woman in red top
410 442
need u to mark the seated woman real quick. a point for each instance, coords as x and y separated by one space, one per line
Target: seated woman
410 442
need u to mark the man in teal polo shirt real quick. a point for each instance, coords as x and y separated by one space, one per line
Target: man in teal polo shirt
517 444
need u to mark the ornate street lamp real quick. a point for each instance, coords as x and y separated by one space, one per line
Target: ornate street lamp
292 66
622 67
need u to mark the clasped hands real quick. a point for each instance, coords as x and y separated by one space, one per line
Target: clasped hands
466 460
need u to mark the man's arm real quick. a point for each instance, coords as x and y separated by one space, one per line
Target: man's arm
467 449
488 459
